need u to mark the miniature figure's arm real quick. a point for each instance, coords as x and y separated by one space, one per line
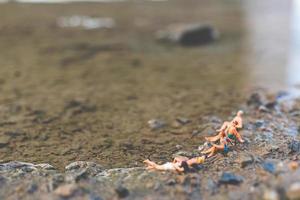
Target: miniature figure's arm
240 123
223 127
179 169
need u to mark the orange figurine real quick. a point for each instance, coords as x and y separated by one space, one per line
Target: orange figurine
226 124
232 133
215 147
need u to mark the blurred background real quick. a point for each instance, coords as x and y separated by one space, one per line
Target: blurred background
80 80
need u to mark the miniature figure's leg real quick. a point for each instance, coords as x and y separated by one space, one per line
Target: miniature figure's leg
208 150
213 138
238 137
213 151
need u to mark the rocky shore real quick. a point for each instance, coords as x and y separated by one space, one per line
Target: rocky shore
266 167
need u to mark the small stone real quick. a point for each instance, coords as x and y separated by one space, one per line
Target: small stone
83 165
122 191
155 124
32 188
293 192
294 146
188 34
230 178
66 190
195 133
45 166
245 160
94 197
271 195
255 100
183 120
269 167
171 182
293 165
178 146
263 108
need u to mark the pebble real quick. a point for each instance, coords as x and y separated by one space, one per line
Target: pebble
188 34
45 166
32 188
230 178
66 190
269 167
83 164
122 191
294 146
245 160
271 195
293 165
293 191
155 124
183 120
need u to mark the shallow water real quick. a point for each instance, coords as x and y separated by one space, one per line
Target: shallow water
72 94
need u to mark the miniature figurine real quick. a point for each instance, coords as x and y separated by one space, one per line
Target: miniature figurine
215 147
169 166
232 133
226 124
179 164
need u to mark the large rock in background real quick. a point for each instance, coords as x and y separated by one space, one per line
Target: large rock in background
188 34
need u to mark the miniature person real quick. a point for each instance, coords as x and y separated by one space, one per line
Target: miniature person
226 124
232 133
179 164
215 147
169 166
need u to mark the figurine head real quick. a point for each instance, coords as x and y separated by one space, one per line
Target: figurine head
240 113
234 123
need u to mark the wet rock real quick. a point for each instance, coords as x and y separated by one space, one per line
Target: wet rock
188 34
230 178
294 146
183 120
155 124
293 191
122 191
271 195
269 167
66 190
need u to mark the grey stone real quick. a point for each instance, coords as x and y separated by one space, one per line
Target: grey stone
188 34
230 178
155 124
122 191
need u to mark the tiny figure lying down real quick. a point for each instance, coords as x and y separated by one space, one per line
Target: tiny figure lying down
179 164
